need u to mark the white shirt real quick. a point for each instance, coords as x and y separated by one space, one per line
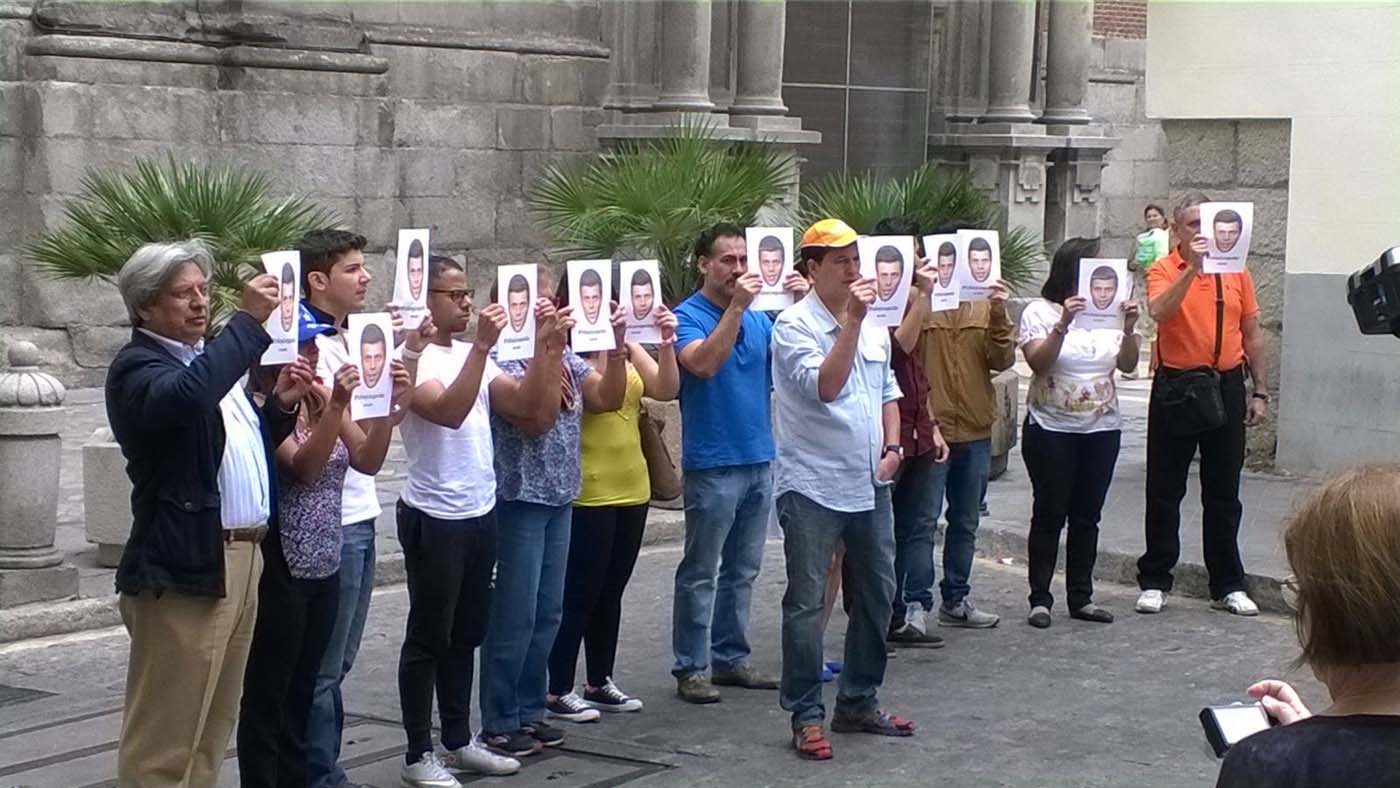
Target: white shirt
1079 393
451 473
243 498
828 451
359 501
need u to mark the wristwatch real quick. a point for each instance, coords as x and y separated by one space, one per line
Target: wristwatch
1261 395
893 447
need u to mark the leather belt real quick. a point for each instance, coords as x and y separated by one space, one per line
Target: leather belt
254 534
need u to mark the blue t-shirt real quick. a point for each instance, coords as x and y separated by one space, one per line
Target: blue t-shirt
725 419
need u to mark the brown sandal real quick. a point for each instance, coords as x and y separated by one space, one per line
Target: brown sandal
811 744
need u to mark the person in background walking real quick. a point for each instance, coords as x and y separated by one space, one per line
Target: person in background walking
1072 430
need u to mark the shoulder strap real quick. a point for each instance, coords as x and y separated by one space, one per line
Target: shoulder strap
1219 318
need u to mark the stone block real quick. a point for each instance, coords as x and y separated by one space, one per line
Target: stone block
315 170
575 129
1150 180
13 32
290 80
515 225
26 586
522 128
1006 387
375 122
9 286
106 495
376 172
1114 102
95 71
53 303
57 166
1267 271
450 75
1125 54
1117 179
460 222
488 172
562 80
428 172
422 124
380 218
288 119
1137 143
94 347
12 112
1264 152
153 113
1270 232
55 350
1200 152
60 109
1123 214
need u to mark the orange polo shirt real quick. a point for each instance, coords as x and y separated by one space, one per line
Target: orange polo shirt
1187 338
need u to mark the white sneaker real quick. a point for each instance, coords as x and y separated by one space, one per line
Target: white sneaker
1151 601
914 618
571 707
1237 602
427 772
477 759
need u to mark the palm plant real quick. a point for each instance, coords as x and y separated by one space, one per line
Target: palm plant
228 207
652 199
930 196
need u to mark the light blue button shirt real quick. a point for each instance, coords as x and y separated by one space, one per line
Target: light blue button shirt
828 451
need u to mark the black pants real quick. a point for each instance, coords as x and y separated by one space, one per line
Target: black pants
293 630
449 565
1168 463
603 546
1070 473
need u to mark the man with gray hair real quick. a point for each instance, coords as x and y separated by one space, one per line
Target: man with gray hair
199 453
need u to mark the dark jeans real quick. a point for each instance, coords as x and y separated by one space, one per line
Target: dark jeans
449 566
962 483
295 619
1070 473
603 546
1168 463
915 501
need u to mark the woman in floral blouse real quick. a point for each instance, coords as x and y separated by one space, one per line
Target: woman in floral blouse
1072 430
299 589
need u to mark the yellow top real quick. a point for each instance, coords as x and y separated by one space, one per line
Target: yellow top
614 470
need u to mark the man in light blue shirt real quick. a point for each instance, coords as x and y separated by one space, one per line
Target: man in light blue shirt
838 448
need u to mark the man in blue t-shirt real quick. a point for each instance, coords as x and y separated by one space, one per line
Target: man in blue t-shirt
726 446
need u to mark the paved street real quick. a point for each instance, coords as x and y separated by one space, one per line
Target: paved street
1078 704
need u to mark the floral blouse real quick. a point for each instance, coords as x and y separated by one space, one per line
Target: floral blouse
309 516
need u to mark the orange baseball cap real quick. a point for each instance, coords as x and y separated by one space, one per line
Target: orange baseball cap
832 233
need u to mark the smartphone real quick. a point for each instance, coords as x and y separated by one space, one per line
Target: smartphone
1225 725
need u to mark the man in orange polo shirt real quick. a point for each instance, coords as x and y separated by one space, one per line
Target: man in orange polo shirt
1183 301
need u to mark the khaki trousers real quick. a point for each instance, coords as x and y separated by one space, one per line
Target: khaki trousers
184 677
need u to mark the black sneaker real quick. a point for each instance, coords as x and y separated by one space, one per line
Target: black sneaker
515 744
544 733
609 698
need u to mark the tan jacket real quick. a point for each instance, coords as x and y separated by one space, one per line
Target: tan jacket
961 349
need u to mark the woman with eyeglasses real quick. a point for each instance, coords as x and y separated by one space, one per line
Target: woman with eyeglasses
610 514
1343 547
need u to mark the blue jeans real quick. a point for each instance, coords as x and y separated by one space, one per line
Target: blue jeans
532 555
962 480
326 722
726 520
915 501
810 535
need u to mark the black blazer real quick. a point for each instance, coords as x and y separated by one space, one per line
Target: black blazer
167 420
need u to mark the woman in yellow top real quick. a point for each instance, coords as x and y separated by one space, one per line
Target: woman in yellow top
609 517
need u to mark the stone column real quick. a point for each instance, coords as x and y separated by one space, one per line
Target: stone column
31 417
1067 74
760 79
685 56
1013 44
631 26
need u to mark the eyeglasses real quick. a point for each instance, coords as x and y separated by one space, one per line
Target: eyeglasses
455 295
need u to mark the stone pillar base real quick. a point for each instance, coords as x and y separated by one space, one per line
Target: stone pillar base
109 555
1006 418
24 586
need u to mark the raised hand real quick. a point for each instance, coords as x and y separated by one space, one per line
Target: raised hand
745 288
260 297
403 382
862 295
347 379
294 380
1072 307
422 336
796 285
489 325
619 323
667 322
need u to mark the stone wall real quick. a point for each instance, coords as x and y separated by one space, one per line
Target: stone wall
393 114
1246 160
1137 168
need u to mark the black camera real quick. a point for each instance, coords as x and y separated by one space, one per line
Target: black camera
1374 294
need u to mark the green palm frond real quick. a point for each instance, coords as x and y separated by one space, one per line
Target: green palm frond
227 206
930 196
653 198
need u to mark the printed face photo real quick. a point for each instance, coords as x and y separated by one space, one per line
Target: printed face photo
372 356
590 294
979 259
889 269
415 269
947 264
1227 229
643 297
770 260
518 302
1103 287
286 298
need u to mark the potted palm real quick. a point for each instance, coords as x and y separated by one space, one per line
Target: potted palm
229 207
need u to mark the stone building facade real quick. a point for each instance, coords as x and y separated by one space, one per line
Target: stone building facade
402 114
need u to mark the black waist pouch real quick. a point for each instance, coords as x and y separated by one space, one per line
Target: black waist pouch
1192 399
